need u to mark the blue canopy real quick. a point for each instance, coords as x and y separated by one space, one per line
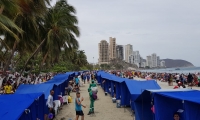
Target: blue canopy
70 73
106 75
135 88
117 79
38 88
188 101
58 79
13 106
143 103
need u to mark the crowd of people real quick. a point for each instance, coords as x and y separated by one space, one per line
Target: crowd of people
181 80
11 81
74 86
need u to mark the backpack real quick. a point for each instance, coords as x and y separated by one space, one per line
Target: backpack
94 96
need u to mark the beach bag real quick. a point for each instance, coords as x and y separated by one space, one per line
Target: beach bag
69 99
61 99
94 96
94 89
50 116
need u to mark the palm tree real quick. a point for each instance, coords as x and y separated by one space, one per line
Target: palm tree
60 31
81 58
30 18
8 9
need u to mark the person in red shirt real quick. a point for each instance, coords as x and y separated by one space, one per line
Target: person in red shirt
178 86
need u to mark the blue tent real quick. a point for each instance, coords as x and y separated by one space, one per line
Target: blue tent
111 80
189 101
58 84
144 102
106 77
117 82
60 81
131 89
13 106
38 88
71 74
98 76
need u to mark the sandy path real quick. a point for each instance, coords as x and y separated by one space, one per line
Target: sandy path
104 108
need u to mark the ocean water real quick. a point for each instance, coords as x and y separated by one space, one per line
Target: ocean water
184 70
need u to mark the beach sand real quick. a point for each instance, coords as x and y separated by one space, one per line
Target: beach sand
104 108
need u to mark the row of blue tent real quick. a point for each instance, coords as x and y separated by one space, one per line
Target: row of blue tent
137 94
142 95
29 101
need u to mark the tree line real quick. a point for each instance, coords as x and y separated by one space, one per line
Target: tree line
35 36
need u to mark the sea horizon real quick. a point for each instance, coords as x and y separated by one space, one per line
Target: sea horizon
184 70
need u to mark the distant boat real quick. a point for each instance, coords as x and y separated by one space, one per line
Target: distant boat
177 69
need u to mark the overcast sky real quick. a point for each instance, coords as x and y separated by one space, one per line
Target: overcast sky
169 28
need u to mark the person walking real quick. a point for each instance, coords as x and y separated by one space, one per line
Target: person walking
84 78
92 99
78 106
88 78
92 84
76 80
189 79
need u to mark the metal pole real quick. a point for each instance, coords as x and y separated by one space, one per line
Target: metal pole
93 63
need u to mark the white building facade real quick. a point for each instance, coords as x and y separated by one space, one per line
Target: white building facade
158 61
149 61
136 55
128 51
154 60
131 59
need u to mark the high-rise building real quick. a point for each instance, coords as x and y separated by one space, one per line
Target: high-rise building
149 61
120 52
158 61
128 52
162 63
154 60
143 63
131 59
136 57
103 52
112 48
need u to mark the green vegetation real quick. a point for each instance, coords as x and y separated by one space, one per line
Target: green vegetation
37 37
115 64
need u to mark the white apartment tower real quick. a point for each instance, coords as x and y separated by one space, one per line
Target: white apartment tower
136 55
158 61
112 48
131 59
128 51
149 61
154 60
103 52
120 52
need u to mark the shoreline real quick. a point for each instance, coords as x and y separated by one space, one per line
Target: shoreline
184 70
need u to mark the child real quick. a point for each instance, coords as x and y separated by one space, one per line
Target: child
78 106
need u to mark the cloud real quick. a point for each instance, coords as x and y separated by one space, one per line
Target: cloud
170 28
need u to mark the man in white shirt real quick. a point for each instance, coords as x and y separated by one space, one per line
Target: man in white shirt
177 78
50 102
